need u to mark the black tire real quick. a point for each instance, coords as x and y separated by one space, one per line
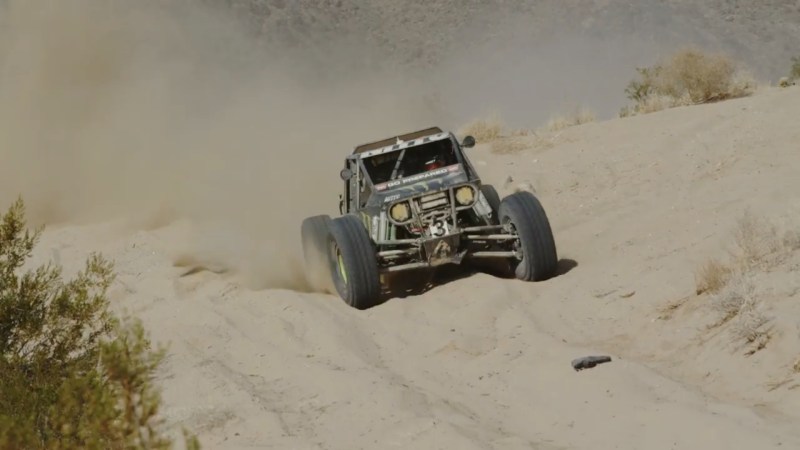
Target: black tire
527 216
493 198
350 248
314 235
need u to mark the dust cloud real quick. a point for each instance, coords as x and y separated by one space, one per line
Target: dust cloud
157 112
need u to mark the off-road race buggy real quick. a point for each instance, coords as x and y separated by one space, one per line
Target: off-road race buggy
415 201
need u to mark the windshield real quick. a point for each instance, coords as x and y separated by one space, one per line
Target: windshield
412 161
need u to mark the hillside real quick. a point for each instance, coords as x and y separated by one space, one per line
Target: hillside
424 32
525 59
638 204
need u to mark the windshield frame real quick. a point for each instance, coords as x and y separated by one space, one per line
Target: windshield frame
400 158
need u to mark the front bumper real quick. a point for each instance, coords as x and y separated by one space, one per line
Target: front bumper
449 249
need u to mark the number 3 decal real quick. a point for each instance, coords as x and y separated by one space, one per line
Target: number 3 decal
438 229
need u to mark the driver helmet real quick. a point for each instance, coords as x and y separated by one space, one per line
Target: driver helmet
434 163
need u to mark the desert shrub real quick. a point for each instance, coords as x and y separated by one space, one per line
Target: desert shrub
735 296
758 244
687 77
573 118
640 89
738 301
794 73
72 374
484 130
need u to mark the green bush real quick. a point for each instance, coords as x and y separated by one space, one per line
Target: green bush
795 73
72 375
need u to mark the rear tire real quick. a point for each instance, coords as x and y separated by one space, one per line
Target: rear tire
525 214
314 235
353 264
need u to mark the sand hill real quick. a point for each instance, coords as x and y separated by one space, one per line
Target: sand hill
638 204
189 161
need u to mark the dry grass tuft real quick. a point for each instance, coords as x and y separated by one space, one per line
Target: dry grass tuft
668 311
712 277
688 77
758 243
759 246
654 103
738 300
794 73
743 84
484 130
562 121
521 142
508 146
736 296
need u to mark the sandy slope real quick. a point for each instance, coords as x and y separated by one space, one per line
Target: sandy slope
637 203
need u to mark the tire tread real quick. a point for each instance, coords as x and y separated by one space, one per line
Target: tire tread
363 287
530 219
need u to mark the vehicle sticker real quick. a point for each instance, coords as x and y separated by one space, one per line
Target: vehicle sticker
439 228
419 177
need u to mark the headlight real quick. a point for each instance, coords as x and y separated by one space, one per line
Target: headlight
465 195
400 212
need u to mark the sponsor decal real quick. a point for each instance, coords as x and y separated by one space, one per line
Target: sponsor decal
419 177
391 198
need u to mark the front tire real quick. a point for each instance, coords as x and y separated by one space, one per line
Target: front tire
353 264
523 213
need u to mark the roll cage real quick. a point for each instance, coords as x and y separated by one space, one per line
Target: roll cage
359 185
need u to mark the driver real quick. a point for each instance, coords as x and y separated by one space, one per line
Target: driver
434 163
440 159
